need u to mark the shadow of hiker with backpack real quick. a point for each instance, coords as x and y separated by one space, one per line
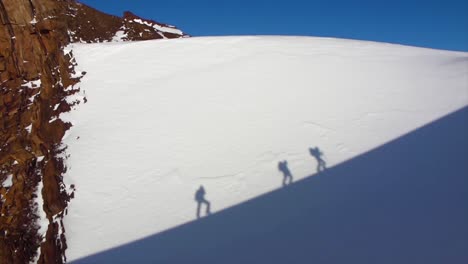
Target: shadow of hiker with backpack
287 176
200 198
317 154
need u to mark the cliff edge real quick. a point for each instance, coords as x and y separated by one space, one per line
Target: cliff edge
38 82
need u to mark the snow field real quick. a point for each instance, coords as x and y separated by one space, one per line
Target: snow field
164 117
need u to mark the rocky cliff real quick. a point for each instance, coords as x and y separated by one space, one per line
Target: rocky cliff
38 83
88 25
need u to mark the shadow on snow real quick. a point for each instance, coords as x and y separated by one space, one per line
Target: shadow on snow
404 202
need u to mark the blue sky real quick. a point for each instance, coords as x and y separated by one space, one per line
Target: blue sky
440 24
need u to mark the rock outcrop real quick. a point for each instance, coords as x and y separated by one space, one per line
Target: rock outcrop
38 83
89 25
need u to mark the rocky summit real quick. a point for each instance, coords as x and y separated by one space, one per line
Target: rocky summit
39 82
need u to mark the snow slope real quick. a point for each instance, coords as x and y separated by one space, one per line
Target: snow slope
164 117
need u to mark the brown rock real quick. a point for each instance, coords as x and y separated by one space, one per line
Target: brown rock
34 77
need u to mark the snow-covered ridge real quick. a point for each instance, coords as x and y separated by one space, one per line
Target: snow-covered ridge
167 116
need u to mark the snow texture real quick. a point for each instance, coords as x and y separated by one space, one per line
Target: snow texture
32 84
42 221
165 117
403 202
8 181
119 36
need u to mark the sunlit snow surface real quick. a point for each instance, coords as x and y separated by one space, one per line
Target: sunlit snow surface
164 117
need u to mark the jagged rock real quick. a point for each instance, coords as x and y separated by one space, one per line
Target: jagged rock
88 25
137 28
35 74
36 77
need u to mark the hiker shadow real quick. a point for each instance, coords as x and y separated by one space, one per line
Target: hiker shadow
317 154
287 176
201 200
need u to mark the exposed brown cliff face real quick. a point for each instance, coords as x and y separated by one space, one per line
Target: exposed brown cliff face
36 78
137 28
88 25
36 73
